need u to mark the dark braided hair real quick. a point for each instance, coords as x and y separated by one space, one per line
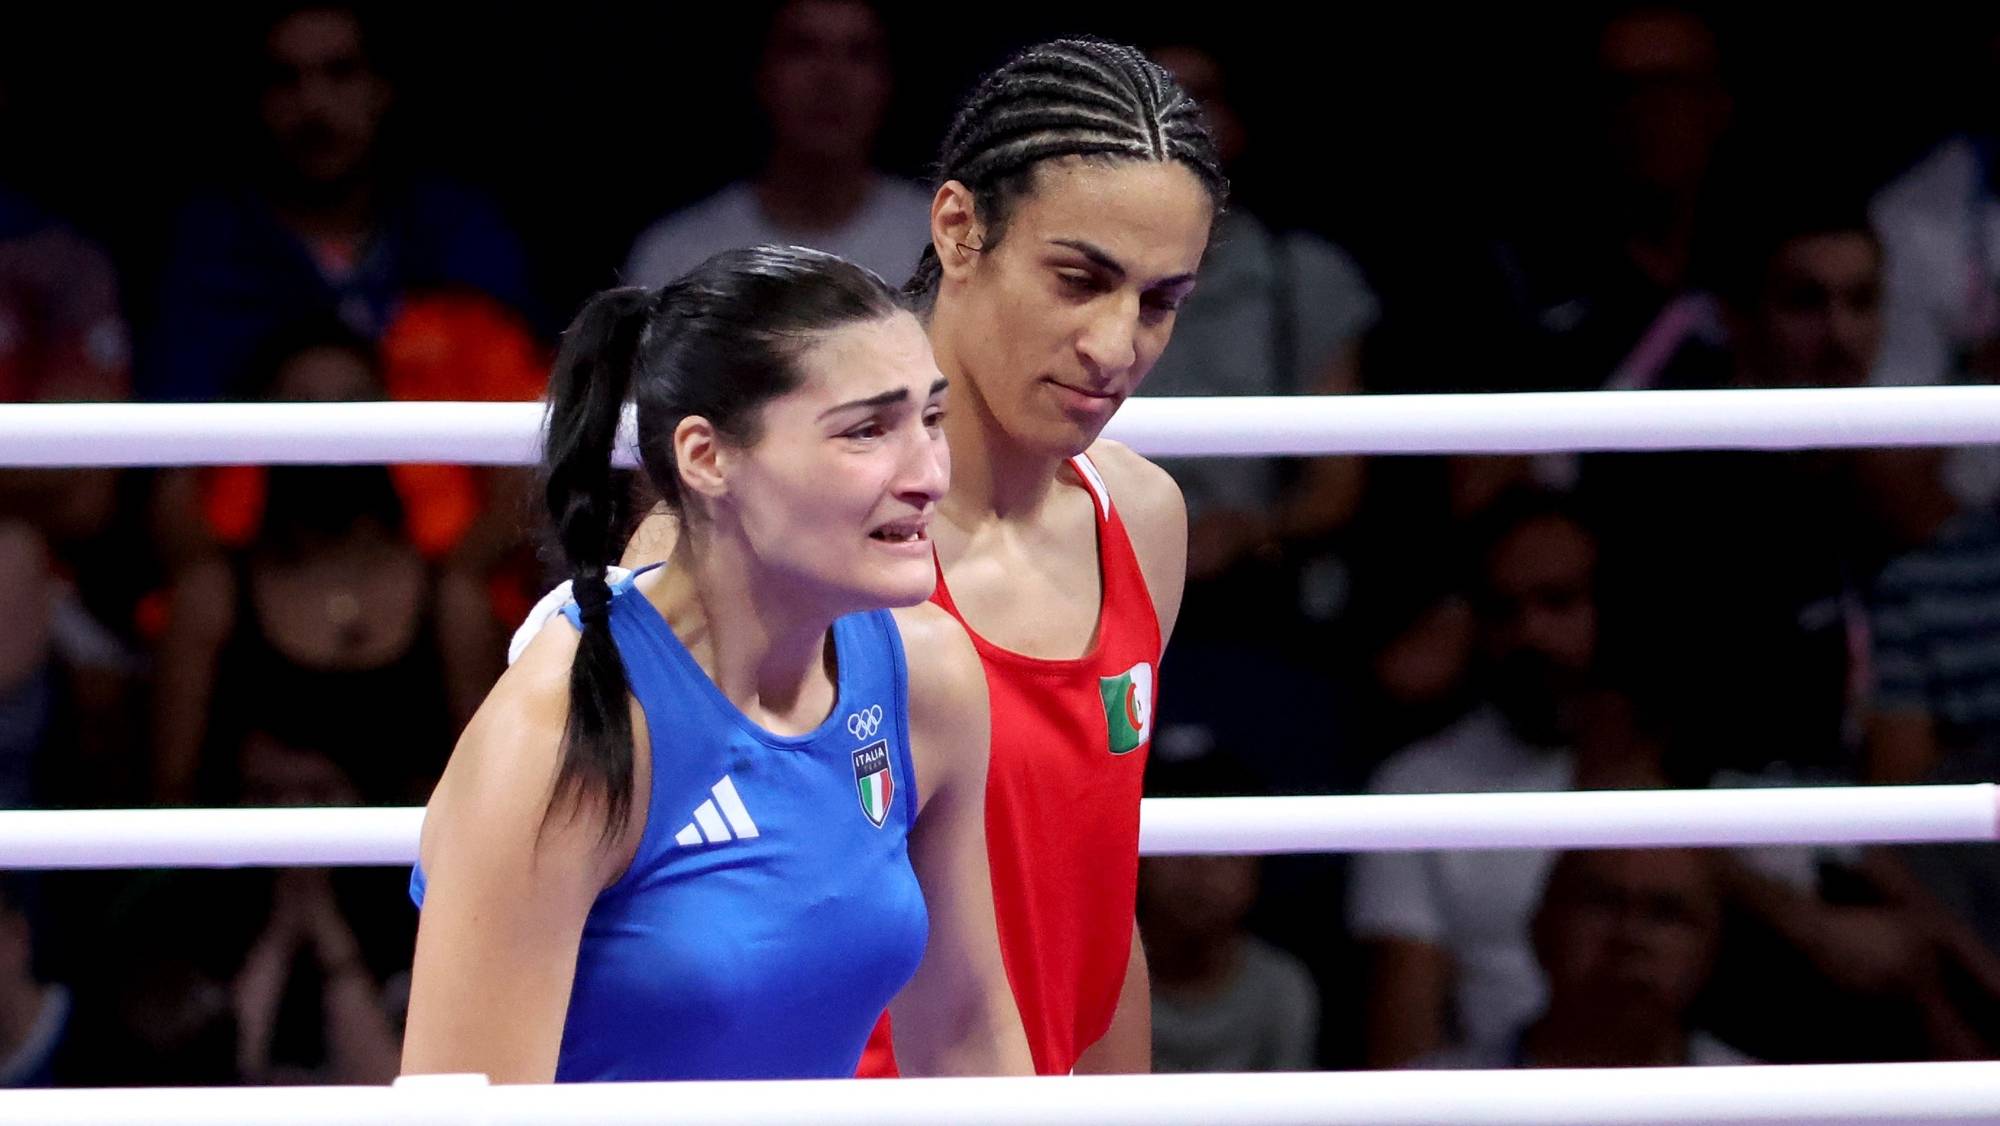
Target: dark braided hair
719 343
1069 97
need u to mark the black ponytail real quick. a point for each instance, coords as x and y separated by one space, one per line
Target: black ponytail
718 343
587 392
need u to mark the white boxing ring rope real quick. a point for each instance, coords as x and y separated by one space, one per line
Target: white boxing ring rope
317 837
506 434
133 434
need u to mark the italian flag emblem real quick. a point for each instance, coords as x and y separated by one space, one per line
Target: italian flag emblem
1128 707
874 781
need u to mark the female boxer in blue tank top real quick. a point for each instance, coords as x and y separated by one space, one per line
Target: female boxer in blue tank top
712 829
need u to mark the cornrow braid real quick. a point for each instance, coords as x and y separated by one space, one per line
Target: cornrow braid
1068 97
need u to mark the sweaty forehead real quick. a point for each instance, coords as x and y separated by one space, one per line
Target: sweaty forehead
1153 217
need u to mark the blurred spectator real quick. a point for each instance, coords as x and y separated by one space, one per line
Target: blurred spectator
1940 228
1802 289
62 335
1626 942
315 961
1411 639
823 84
1734 581
1734 586
1224 1000
1663 106
467 520
243 977
327 634
1207 742
1840 955
1275 313
1940 225
1611 286
65 685
308 993
331 227
1448 931
34 1015
62 339
307 956
1934 712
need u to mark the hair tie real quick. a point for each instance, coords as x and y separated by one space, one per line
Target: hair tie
593 598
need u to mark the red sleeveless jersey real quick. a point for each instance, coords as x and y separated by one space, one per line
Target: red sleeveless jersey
1062 807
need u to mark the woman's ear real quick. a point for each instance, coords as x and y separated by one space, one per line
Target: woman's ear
700 458
956 233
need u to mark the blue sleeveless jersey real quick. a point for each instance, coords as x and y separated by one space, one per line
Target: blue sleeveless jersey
770 912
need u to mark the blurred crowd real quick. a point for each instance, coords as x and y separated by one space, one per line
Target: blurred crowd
316 635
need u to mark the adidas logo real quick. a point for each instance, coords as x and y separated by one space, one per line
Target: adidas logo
715 819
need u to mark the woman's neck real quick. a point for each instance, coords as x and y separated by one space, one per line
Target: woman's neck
766 650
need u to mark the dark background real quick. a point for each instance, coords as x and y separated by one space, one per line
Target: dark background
1393 128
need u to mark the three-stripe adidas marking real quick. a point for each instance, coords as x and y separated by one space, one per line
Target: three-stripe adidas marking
716 818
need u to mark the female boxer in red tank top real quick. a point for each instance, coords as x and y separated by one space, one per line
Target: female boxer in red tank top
1078 187
1062 799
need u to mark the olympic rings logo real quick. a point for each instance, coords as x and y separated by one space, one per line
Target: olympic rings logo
863 724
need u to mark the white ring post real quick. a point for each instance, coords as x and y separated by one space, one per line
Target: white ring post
1962 1094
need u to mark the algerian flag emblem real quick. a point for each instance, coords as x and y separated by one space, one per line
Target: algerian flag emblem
1128 707
873 780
